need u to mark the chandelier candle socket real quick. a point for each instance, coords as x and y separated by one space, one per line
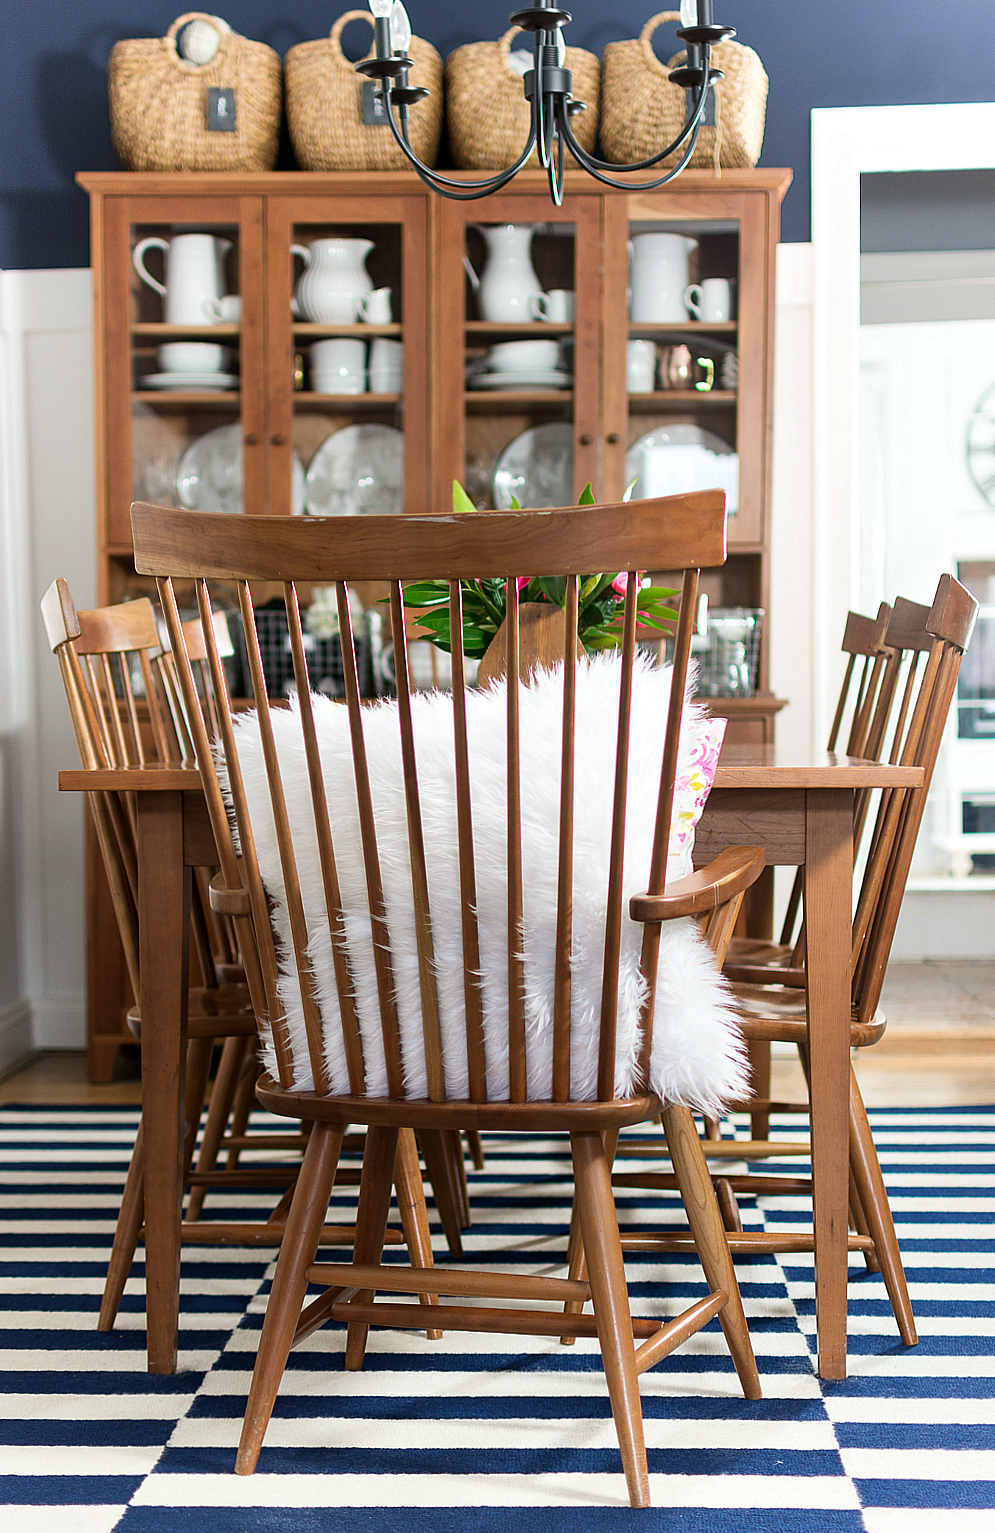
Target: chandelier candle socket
548 88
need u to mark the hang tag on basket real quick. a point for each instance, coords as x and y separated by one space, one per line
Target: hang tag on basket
374 110
220 109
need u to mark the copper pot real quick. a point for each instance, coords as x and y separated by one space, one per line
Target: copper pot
680 369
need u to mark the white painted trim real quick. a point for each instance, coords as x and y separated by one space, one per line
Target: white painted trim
846 143
16 1041
37 308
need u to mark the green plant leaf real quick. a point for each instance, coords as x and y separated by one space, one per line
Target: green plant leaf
553 587
587 496
516 504
629 489
425 593
461 500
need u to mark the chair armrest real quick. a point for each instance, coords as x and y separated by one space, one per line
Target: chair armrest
225 901
727 875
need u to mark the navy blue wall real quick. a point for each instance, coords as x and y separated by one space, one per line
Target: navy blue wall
53 85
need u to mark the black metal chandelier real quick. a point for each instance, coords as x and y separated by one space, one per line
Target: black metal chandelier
548 89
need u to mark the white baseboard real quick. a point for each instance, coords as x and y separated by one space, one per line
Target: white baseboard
16 1041
60 1022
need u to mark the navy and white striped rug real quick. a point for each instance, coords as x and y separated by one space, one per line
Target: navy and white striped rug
463 1434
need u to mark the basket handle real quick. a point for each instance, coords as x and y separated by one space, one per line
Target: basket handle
335 35
181 22
646 37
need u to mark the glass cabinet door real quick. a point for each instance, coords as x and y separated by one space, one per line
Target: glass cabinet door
185 417
519 347
685 355
348 355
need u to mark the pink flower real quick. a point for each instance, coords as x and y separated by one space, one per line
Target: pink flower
621 582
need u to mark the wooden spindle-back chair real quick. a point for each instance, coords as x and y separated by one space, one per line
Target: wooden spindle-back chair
941 634
101 654
683 533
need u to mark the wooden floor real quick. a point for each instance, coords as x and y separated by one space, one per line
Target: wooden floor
939 1049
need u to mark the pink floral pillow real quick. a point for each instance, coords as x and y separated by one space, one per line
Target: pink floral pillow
701 742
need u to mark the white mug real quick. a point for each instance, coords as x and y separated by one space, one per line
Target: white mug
375 308
226 310
386 366
640 366
711 300
556 307
338 366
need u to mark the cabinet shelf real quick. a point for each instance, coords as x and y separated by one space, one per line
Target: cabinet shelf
159 332
683 326
305 331
485 402
346 402
182 399
490 330
673 399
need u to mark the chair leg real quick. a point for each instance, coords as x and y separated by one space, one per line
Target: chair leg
199 1052
576 1260
129 1222
759 1055
297 1252
610 1296
218 1112
865 1169
442 1176
379 1160
455 1141
858 1222
245 1096
697 1193
475 1145
414 1215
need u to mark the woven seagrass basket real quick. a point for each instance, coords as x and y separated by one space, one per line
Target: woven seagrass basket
641 111
486 109
325 107
159 103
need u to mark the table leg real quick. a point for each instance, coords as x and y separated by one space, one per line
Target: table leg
828 895
164 954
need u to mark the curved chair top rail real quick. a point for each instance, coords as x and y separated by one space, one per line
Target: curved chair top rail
672 532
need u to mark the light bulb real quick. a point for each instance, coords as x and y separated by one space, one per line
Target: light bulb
400 28
381 7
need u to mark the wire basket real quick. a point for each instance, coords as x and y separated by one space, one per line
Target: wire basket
728 652
324 657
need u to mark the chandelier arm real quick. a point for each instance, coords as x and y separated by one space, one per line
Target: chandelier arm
591 162
584 161
456 191
556 173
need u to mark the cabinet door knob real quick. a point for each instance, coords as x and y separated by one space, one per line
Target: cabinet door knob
251 440
612 438
586 439
278 439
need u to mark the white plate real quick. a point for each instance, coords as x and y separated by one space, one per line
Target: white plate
209 474
196 382
673 460
537 468
358 471
550 378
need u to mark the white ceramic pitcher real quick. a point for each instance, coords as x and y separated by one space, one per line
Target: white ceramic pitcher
659 274
509 283
194 271
334 282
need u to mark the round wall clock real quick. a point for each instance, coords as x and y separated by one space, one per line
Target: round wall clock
980 444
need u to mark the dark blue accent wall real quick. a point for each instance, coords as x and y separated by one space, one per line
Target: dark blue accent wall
818 53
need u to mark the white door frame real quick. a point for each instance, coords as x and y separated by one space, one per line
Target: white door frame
846 142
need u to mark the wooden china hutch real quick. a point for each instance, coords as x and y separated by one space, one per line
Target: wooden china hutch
439 421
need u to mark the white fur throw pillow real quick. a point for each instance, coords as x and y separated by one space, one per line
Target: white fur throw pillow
697 1056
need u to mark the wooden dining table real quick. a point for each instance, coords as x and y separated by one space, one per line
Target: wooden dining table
798 808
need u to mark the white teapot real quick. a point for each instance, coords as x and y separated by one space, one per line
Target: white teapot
335 283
